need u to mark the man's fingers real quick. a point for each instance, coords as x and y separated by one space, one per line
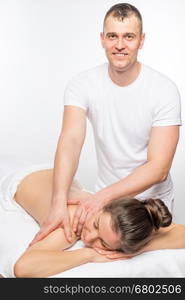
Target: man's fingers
43 232
73 201
39 236
77 217
36 239
67 231
81 222
79 230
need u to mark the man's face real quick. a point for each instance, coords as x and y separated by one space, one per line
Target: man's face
121 41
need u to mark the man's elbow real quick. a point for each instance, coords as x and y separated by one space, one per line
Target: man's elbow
159 172
163 176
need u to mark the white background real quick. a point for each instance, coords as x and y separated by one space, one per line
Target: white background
43 43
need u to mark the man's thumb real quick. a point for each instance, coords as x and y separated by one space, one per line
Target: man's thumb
73 201
67 231
40 235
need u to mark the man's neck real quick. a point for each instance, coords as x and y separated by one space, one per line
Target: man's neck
126 77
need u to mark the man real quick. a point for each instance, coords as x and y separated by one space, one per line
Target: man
135 114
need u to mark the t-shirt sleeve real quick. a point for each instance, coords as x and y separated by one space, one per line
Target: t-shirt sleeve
76 94
168 110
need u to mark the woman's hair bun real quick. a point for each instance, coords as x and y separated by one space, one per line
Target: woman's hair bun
158 213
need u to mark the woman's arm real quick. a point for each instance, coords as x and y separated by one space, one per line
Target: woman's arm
47 257
45 263
172 237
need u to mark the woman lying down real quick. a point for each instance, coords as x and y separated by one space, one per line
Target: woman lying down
126 226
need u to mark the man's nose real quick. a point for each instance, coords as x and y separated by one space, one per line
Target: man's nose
120 44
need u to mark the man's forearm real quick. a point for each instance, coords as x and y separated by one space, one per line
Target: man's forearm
137 182
66 163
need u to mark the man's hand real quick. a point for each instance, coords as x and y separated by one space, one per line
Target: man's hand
58 217
86 209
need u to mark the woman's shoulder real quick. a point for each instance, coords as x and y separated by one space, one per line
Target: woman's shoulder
174 227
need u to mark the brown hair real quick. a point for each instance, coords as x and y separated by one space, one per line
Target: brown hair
122 11
136 220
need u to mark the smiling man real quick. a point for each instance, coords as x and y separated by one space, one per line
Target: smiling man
135 114
121 47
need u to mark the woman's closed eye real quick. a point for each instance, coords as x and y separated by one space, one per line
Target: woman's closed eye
104 246
96 224
102 243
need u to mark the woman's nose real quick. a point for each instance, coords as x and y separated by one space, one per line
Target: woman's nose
91 237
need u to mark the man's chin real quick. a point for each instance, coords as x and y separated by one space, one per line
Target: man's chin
119 67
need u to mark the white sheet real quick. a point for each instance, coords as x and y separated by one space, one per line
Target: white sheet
17 229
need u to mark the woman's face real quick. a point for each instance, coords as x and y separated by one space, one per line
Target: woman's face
97 232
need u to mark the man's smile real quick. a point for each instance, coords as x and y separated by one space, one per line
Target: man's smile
119 54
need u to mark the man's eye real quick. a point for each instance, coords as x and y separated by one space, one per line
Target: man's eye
129 37
111 36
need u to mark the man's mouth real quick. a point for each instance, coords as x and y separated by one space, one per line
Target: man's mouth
120 54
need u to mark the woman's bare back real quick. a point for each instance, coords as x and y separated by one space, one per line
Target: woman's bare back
34 193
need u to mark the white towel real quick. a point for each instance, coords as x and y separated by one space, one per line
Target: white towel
10 181
17 227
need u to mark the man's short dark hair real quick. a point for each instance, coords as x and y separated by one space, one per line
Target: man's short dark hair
121 11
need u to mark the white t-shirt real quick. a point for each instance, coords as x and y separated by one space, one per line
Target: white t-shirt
122 118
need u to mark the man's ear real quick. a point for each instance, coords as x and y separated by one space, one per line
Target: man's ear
142 41
102 39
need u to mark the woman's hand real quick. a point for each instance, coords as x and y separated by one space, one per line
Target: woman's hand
100 255
94 256
115 255
58 217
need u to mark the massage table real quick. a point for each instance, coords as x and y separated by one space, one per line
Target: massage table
17 229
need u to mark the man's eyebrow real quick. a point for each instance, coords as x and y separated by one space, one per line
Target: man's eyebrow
109 33
125 33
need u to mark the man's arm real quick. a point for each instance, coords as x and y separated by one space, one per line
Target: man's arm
68 151
66 162
161 150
